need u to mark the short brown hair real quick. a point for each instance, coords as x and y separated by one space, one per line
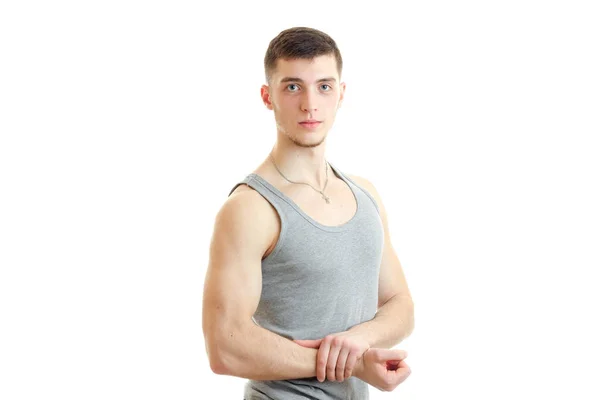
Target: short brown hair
300 42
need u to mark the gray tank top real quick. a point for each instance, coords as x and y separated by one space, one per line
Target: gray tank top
318 280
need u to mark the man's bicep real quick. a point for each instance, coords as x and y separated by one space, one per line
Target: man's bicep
233 281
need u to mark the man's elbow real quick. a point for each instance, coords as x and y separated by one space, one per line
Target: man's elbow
217 358
226 349
218 367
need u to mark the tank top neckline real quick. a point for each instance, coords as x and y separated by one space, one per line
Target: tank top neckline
292 203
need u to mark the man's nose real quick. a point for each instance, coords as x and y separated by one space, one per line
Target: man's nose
309 102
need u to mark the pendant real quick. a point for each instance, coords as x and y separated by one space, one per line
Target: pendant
326 199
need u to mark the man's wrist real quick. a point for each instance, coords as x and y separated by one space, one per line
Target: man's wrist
359 366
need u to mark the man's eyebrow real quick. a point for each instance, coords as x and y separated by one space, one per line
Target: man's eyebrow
294 79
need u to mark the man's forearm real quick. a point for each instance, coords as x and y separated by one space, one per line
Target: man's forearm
393 323
252 352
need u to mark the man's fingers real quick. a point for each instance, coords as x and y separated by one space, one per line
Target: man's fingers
390 355
350 363
392 365
399 354
402 372
341 366
322 357
332 360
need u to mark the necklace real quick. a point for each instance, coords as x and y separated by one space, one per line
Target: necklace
320 191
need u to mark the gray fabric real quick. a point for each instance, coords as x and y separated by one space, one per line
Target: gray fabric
318 280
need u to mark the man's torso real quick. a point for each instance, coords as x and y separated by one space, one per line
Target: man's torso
340 210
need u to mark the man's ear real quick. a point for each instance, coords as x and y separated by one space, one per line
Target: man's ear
266 96
342 93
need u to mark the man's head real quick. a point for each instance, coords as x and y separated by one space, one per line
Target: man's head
300 43
303 69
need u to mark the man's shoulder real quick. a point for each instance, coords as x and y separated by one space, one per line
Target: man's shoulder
245 200
359 179
363 183
247 218
242 188
246 208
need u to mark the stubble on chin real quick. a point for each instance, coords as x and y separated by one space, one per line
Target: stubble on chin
309 143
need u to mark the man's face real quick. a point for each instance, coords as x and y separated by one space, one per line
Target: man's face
302 90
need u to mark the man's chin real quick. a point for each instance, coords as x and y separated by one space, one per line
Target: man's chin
308 141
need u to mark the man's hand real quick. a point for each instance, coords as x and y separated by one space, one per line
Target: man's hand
338 354
384 369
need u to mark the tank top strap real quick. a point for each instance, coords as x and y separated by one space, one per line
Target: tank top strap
271 194
351 183
245 181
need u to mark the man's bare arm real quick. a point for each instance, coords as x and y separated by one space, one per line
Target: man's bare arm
394 320
235 344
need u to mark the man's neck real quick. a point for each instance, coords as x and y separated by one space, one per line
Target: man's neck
302 164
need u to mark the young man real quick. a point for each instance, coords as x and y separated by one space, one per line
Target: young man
304 294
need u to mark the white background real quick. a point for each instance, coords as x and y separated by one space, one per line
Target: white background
125 124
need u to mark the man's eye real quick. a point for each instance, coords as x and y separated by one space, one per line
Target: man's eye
290 85
326 86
